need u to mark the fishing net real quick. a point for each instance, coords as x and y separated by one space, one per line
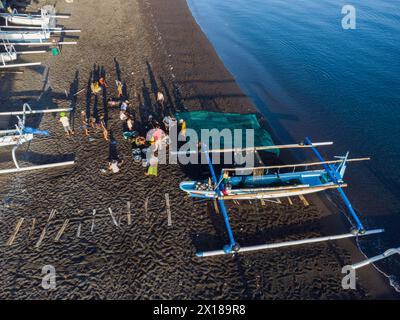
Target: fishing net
198 120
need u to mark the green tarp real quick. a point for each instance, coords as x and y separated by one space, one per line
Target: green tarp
198 120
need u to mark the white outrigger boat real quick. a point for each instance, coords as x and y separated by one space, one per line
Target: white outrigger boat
22 134
47 16
32 34
10 54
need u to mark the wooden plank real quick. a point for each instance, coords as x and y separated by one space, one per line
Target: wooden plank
129 214
168 207
78 232
14 234
290 201
41 238
112 216
32 230
61 231
94 216
304 200
146 205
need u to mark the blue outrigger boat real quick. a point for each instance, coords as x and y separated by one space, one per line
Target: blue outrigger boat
243 183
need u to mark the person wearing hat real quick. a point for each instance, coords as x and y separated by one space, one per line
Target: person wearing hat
66 125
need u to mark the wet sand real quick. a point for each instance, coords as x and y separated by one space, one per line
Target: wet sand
150 45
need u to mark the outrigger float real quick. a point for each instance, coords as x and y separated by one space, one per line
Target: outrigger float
22 134
274 186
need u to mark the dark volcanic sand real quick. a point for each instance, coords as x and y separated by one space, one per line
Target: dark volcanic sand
156 44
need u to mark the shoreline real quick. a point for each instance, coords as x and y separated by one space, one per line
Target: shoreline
153 44
375 280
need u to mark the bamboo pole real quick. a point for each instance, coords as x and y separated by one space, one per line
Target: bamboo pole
304 200
94 216
41 167
253 149
21 113
129 215
290 243
267 194
311 164
14 234
112 216
168 207
61 231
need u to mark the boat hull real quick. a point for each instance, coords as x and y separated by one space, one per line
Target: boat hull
24 36
28 20
13 140
6 57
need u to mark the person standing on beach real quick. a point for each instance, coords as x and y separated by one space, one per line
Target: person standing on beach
85 123
104 128
66 125
120 88
160 99
153 166
103 83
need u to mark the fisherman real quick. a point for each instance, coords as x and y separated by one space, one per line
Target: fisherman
103 83
225 183
85 123
95 87
115 166
153 166
103 126
160 98
124 105
140 142
183 127
120 88
65 122
129 123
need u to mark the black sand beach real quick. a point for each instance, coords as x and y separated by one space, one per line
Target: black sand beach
150 45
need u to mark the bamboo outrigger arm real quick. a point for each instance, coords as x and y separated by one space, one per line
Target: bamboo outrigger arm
253 149
288 243
310 164
382 256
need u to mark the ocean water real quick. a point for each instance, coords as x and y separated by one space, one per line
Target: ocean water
310 77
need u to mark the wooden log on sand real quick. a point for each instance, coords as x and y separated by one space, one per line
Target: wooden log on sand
168 207
61 231
129 215
78 232
14 235
94 216
146 205
113 218
304 200
32 230
43 234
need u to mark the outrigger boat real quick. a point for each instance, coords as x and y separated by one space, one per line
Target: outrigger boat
22 134
35 35
262 182
46 17
272 186
244 184
11 54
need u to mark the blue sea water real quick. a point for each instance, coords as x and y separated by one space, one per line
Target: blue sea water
311 77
